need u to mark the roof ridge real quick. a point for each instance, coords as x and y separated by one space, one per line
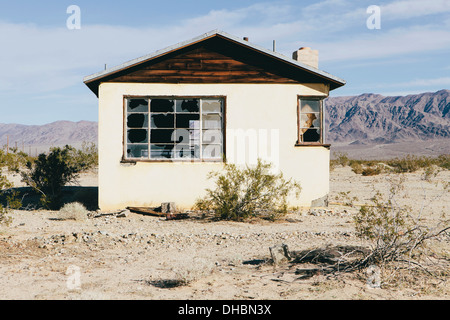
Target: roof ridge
205 36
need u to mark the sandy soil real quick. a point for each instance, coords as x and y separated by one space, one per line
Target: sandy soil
140 257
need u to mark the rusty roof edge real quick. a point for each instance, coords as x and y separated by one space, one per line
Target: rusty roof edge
202 37
282 57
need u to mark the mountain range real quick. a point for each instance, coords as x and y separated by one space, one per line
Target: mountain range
39 138
352 123
373 118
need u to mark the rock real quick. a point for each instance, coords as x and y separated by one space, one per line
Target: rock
280 253
123 213
313 212
320 202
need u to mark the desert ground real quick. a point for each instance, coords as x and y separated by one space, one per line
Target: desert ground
147 257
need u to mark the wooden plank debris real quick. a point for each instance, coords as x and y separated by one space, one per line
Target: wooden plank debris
147 210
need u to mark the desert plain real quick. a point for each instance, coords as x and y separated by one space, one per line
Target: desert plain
136 256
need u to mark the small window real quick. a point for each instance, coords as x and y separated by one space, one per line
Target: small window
309 120
173 128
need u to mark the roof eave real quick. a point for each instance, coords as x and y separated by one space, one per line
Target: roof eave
107 72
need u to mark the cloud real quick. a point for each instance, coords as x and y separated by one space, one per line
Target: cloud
441 81
45 59
395 42
408 9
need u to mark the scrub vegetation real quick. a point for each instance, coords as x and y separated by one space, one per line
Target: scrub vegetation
47 173
243 193
409 163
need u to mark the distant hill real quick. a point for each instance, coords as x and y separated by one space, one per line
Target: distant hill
373 118
38 138
364 126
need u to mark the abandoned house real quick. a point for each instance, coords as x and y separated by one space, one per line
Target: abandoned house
169 118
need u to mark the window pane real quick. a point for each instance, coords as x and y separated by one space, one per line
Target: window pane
212 136
194 134
162 120
212 121
187 105
187 151
137 151
137 105
181 136
211 106
137 136
310 106
309 119
161 136
137 120
187 120
161 151
212 151
161 105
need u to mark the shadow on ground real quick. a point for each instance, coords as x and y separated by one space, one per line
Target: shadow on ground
88 196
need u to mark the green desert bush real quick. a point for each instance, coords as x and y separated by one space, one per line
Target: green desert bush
14 160
85 158
242 193
49 173
5 219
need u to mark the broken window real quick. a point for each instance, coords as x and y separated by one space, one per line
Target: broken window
174 128
309 120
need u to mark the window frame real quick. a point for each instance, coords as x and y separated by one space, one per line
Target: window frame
126 159
299 141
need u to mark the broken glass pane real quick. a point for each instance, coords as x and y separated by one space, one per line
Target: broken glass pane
161 151
137 151
180 136
212 121
186 151
137 136
187 105
162 120
161 105
308 119
137 120
211 106
311 135
161 135
316 122
187 120
308 106
137 105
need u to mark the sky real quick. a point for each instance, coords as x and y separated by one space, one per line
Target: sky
398 47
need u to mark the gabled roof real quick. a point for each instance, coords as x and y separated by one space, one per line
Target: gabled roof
93 81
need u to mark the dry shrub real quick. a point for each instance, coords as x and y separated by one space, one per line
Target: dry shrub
399 240
193 271
248 192
408 163
185 273
73 211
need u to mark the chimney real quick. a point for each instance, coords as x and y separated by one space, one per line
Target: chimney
245 38
307 56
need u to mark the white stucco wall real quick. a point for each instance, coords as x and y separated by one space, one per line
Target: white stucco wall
270 107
